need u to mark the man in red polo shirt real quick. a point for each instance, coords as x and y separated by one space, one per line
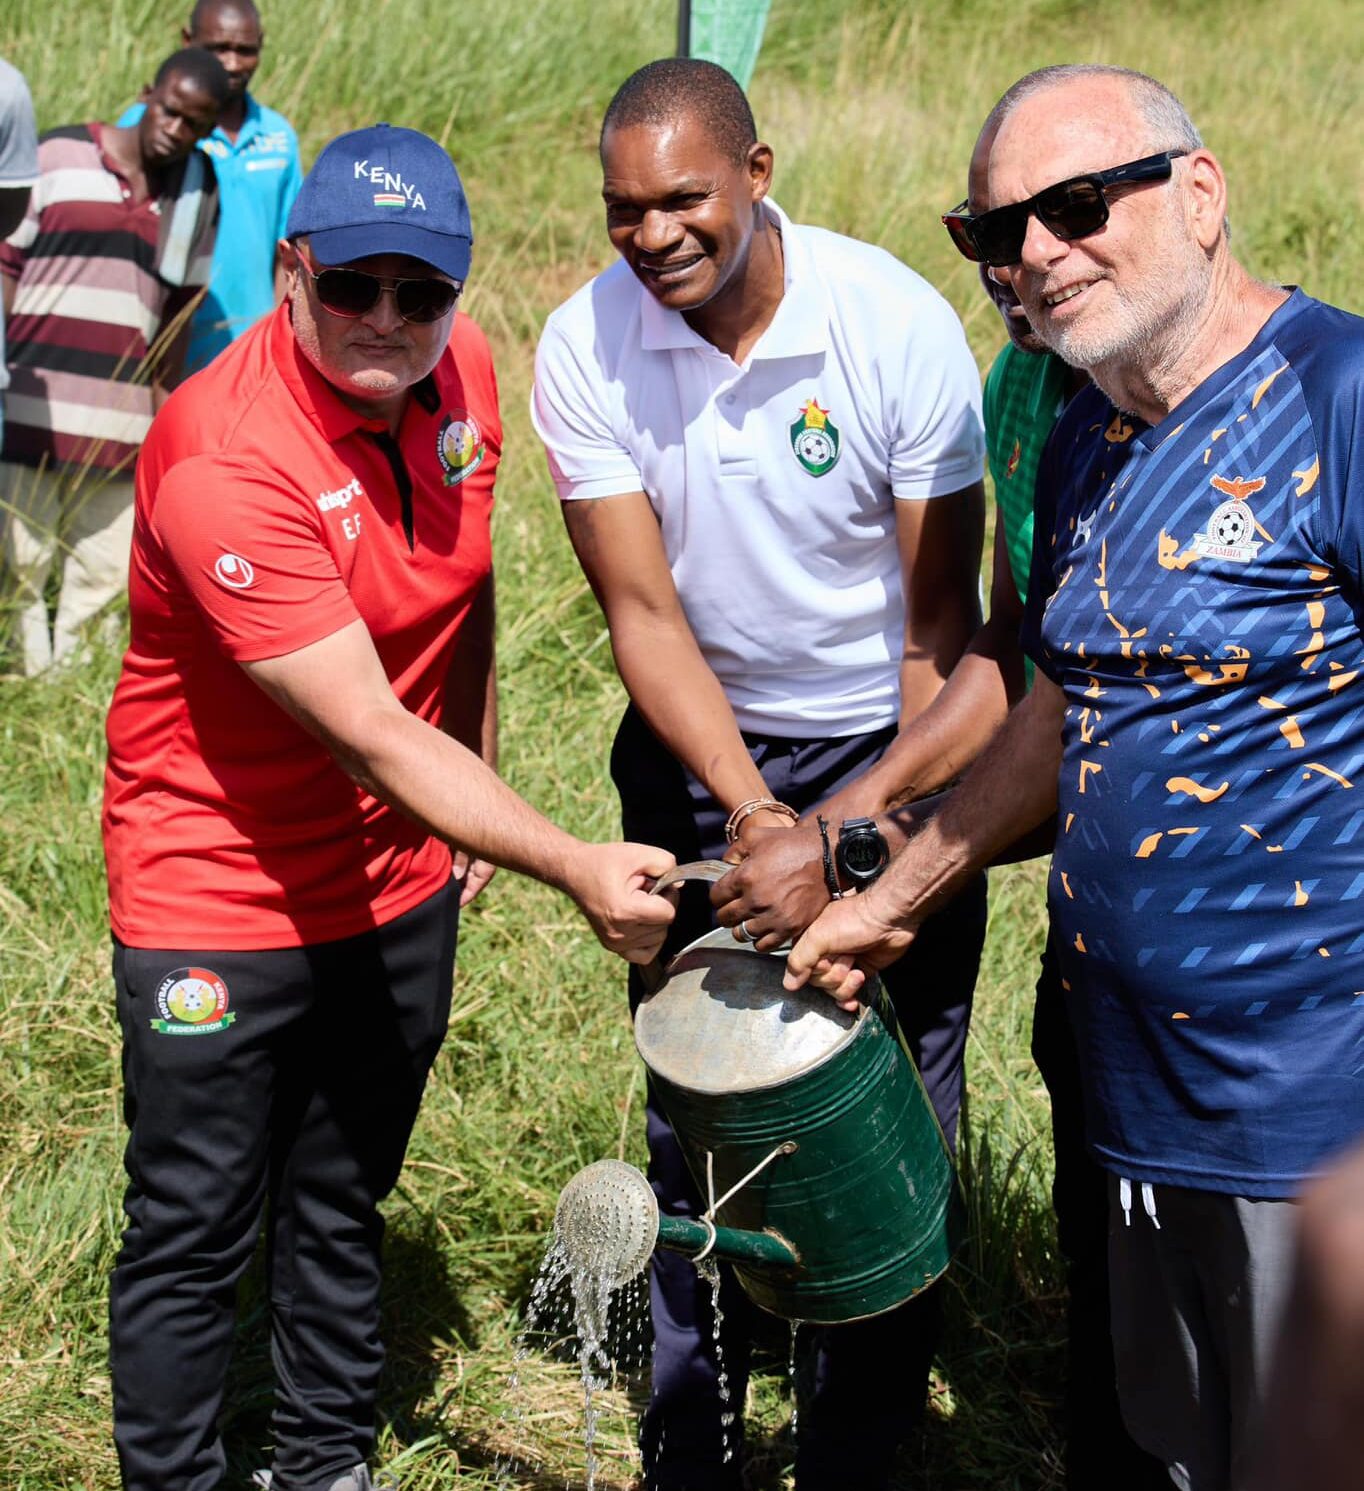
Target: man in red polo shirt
303 726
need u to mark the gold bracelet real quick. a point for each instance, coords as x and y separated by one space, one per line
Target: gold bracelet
755 805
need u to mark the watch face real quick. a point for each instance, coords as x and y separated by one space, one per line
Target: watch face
863 854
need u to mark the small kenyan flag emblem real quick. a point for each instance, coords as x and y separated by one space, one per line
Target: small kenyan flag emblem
814 438
389 199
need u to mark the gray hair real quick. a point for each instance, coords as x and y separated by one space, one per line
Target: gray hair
1166 118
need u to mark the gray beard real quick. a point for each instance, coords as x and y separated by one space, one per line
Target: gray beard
1152 340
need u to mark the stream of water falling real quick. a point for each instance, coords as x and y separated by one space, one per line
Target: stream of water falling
540 1314
574 1299
709 1269
791 1381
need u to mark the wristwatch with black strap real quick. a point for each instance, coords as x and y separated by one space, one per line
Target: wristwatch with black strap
862 851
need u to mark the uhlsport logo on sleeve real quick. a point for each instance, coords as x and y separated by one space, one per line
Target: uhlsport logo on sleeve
192 1001
459 446
234 572
814 438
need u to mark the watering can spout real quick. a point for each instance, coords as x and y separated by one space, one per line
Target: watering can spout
608 1223
686 1235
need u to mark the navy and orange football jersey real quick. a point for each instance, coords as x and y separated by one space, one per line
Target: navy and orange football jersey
1198 594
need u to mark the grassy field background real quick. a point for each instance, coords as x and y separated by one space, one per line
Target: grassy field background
871 109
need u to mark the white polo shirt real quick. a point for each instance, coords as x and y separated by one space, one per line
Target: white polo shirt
775 481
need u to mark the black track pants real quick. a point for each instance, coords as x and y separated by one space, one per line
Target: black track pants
291 1076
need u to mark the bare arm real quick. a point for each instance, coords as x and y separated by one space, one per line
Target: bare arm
167 354
779 888
470 713
1310 1424
281 276
337 690
1009 792
471 682
939 740
13 205
620 548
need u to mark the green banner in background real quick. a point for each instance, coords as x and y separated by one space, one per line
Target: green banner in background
729 32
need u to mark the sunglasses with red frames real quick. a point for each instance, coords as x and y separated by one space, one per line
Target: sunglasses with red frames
1071 209
352 292
955 222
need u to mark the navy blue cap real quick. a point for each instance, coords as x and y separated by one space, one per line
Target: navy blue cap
384 190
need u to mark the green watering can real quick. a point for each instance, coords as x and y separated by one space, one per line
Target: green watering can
827 1180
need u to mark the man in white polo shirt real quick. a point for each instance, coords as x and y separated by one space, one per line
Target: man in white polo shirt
768 442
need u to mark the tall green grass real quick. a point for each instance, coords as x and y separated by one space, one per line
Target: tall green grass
872 110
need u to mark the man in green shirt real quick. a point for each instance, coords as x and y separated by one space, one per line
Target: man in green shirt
1025 391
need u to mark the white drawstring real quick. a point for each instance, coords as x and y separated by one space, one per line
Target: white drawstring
1148 1201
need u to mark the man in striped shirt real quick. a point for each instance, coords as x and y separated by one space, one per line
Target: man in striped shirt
99 280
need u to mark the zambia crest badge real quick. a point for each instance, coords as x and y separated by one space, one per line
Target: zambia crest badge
459 446
814 438
1231 529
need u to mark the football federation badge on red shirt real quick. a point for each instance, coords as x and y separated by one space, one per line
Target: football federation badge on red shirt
192 1001
814 438
459 446
1231 529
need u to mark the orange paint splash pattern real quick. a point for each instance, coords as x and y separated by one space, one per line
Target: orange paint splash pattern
1192 789
1266 386
1233 671
1151 842
1168 554
1325 771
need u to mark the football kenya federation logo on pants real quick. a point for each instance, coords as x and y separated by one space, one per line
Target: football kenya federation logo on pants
192 1001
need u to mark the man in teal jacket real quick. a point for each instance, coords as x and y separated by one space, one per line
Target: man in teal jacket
255 156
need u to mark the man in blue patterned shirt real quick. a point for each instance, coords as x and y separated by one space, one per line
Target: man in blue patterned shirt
255 157
1198 726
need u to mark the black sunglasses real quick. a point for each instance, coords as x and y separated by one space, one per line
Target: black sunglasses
1070 209
352 292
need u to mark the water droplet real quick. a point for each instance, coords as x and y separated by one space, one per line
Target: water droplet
791 1379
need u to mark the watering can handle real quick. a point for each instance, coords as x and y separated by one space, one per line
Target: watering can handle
698 869
652 972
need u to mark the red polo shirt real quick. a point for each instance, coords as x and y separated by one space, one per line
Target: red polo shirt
270 515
